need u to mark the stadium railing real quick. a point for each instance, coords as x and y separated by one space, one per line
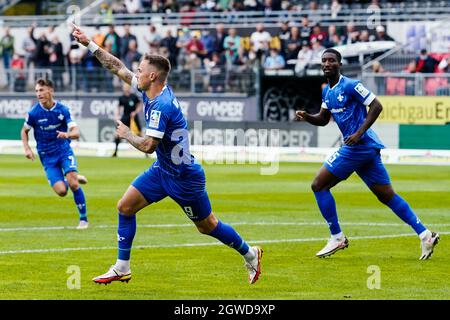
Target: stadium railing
409 84
206 19
79 79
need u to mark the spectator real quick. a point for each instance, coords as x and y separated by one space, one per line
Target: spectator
170 42
126 39
208 41
231 45
29 47
294 44
182 41
330 39
219 38
380 82
18 66
284 35
153 39
317 34
351 35
132 57
274 61
42 45
56 62
382 35
216 72
305 30
133 6
425 63
252 5
195 46
364 36
303 59
7 47
317 50
99 37
260 40
114 39
335 9
171 6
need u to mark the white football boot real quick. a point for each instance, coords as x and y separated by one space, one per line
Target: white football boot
428 243
254 266
113 274
333 245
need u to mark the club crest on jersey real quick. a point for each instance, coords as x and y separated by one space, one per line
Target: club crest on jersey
361 90
61 116
340 97
155 115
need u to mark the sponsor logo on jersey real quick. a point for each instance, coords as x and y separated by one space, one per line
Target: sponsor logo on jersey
61 116
337 110
40 120
155 116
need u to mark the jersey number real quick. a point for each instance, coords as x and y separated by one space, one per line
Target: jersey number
72 161
188 211
333 157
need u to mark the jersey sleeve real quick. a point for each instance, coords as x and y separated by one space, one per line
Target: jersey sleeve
324 102
361 93
29 121
68 118
156 121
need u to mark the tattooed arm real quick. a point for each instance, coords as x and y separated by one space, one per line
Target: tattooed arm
145 144
110 62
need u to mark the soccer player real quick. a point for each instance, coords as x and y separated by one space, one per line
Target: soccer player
53 128
128 109
346 100
175 173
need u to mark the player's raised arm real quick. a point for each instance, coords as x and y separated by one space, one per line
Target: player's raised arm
319 119
108 61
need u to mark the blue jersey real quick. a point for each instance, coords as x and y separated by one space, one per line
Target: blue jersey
45 123
347 101
164 120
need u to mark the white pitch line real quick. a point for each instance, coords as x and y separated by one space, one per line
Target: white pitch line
203 244
240 223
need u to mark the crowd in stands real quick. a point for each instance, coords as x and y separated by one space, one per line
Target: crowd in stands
223 55
169 6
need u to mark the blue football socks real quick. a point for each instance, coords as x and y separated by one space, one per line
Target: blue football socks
125 235
404 212
227 235
80 201
327 207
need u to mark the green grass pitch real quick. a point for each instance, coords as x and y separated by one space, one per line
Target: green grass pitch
171 260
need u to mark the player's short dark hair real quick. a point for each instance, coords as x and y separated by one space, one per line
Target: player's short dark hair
45 82
335 52
161 63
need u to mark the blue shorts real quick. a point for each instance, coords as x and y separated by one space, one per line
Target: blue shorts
56 166
189 190
365 161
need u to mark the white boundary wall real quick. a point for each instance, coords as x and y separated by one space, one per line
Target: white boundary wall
246 155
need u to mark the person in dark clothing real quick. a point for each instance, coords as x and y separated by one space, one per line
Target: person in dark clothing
425 63
170 42
129 108
126 39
